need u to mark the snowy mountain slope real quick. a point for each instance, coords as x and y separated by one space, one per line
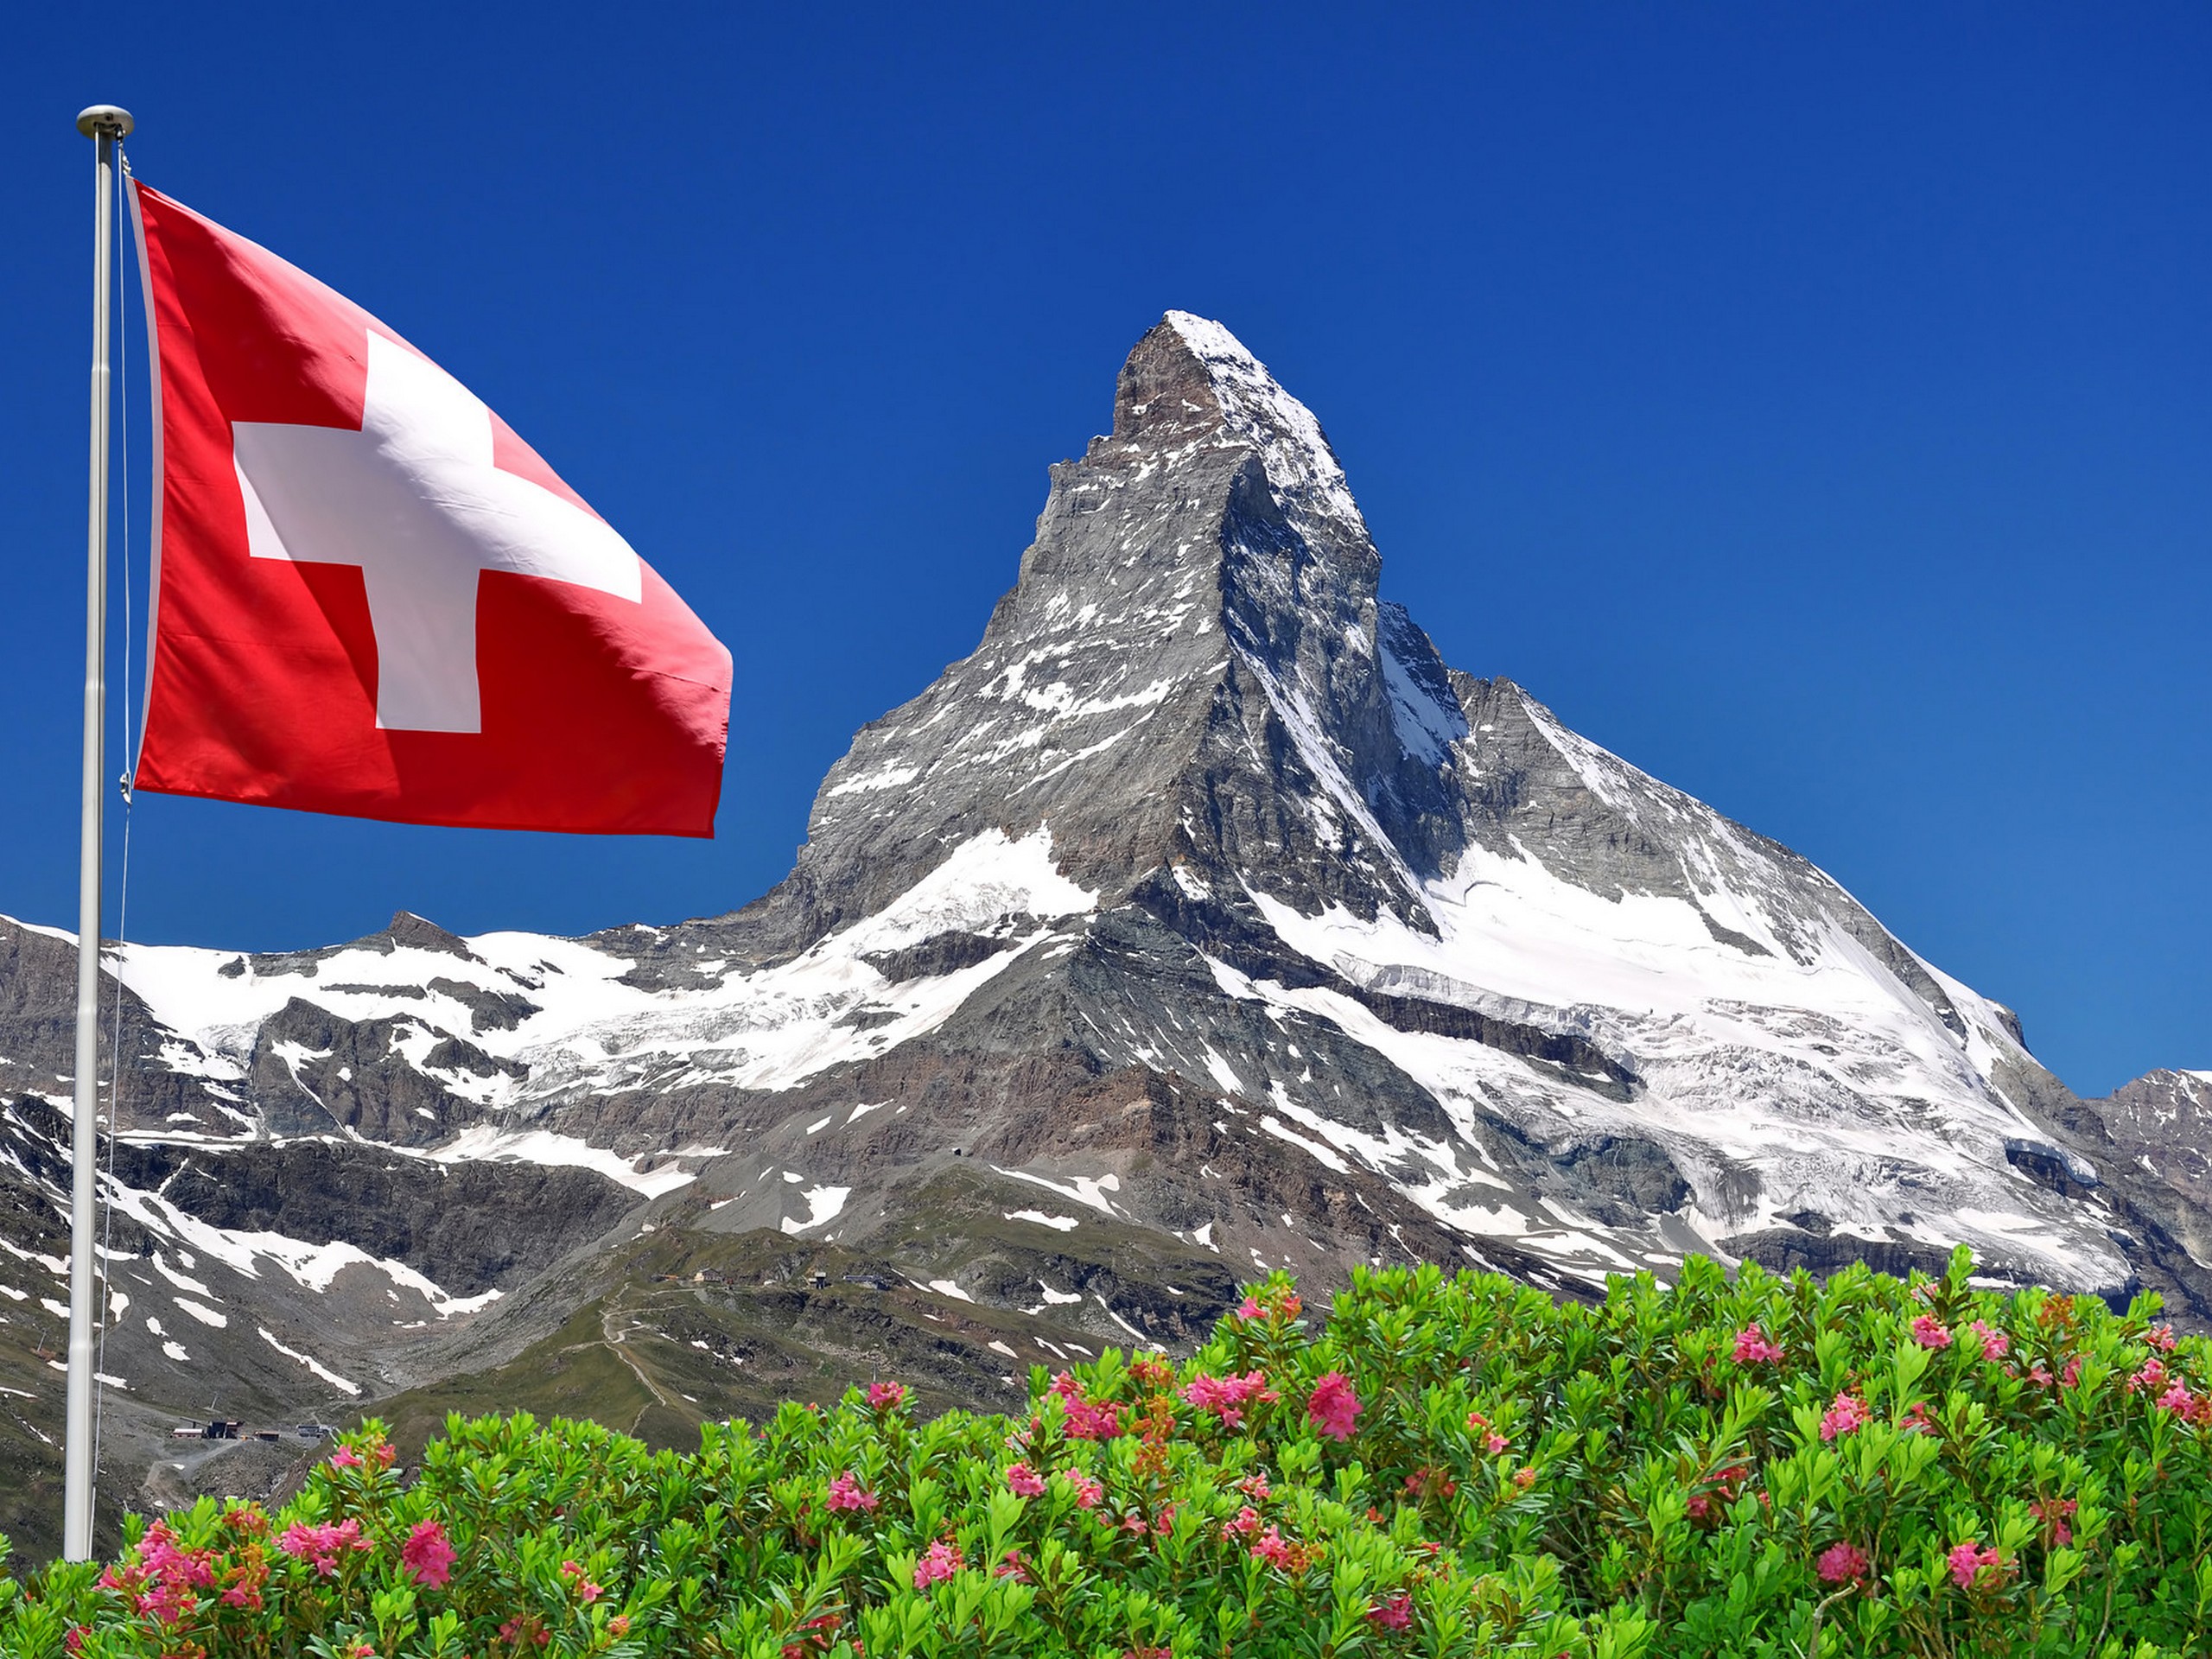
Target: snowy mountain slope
1201 905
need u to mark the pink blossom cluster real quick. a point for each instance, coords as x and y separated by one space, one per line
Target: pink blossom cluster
1995 1345
847 1493
1332 1406
322 1544
1753 1347
2169 1392
886 1396
164 1583
1226 1396
941 1561
1393 1612
428 1554
1024 1481
1272 1548
1841 1563
1087 1419
1846 1415
1087 1491
1968 1560
580 1582
1930 1332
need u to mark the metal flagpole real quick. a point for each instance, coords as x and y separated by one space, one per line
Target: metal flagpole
105 125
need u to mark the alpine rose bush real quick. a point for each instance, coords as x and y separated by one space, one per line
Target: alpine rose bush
1457 1468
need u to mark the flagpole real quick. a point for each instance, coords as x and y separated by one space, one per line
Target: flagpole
105 125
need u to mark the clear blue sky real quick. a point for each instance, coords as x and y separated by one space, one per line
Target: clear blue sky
1809 404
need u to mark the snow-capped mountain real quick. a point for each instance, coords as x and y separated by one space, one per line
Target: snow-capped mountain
1201 921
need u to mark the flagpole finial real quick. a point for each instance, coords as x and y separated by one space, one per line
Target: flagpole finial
105 121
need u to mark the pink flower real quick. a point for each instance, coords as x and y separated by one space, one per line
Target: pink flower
941 1561
2072 1374
346 1458
1225 1397
2176 1398
1087 1421
1332 1406
1966 1562
1496 1442
427 1555
887 1396
585 1590
321 1544
1995 1345
1753 1349
1250 1309
1918 1421
619 1625
1087 1491
2160 1337
1929 1333
164 1583
1395 1613
1021 1480
1699 1506
1247 1521
1270 1547
1840 1561
845 1493
1848 1413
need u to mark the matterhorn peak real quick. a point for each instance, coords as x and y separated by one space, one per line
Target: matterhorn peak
1189 382
1193 663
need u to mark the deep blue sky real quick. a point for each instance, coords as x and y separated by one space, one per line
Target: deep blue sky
1809 404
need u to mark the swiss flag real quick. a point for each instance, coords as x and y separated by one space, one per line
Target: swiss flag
371 597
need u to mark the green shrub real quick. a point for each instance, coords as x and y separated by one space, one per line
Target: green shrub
1761 1468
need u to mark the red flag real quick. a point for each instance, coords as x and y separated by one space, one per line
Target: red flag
371 597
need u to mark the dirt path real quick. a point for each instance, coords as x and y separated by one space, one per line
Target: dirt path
613 1341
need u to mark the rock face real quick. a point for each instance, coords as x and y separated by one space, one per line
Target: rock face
1202 921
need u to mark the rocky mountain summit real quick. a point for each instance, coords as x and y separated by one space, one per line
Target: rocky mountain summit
1200 922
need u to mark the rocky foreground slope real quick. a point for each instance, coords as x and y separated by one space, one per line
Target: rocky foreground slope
1201 922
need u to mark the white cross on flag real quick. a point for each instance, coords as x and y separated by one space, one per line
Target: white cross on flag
372 598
